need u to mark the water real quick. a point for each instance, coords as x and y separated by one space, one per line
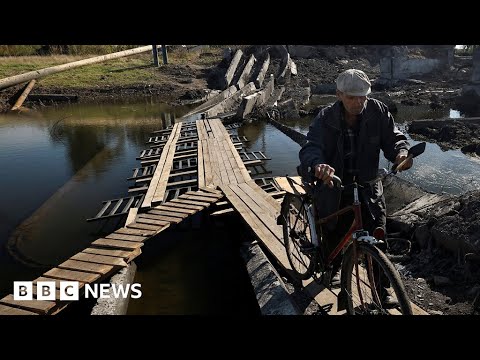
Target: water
435 170
56 168
77 156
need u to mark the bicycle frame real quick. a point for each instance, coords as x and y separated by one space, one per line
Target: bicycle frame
357 223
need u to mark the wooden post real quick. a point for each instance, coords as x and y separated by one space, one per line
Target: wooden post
164 54
24 95
155 55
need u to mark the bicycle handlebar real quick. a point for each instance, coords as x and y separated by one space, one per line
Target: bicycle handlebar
336 180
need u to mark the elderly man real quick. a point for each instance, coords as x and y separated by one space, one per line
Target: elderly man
345 139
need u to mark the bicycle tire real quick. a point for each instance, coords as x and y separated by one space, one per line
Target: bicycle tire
299 247
365 296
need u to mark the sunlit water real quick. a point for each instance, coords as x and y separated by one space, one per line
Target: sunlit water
83 154
435 170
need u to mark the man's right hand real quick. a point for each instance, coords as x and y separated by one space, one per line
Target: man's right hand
325 172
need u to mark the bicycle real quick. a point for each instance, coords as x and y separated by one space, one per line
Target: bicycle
367 275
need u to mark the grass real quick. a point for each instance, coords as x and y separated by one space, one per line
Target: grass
130 70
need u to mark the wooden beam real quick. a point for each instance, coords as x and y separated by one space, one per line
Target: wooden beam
24 95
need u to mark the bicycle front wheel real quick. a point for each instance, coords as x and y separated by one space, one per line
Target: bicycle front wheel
298 232
372 283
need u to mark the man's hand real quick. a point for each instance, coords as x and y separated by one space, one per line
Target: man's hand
402 155
325 172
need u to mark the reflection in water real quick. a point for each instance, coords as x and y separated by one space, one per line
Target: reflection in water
69 159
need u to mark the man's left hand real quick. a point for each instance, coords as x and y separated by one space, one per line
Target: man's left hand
402 156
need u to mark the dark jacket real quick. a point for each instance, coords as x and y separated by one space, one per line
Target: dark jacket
325 146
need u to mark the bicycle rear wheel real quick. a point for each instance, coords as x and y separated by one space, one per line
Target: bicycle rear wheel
375 281
298 232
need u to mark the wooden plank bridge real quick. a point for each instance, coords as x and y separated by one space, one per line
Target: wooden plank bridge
184 167
187 168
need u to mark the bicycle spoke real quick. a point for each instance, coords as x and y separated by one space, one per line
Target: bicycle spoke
369 279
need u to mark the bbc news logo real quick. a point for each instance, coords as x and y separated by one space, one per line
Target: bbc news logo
69 290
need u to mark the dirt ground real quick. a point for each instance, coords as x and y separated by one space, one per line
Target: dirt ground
424 270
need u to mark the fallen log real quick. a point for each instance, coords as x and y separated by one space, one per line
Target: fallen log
24 95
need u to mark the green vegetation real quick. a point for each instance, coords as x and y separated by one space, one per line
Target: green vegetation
32 50
130 70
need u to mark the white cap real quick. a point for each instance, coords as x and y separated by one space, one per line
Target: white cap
353 82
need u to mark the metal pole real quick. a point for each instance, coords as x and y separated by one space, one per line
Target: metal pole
164 54
155 55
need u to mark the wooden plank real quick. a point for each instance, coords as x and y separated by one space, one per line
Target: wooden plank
42 307
210 190
264 234
265 196
159 193
57 293
107 252
57 282
226 162
198 198
126 237
213 167
182 182
155 211
138 232
160 217
132 213
117 244
72 275
215 162
207 165
142 220
221 162
289 186
201 168
215 125
175 209
181 205
204 194
223 212
233 164
9 310
203 204
260 201
144 227
99 259
239 161
174 174
259 212
101 269
147 202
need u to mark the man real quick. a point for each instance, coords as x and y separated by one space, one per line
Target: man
345 139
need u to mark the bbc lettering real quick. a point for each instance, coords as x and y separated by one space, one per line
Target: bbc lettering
69 290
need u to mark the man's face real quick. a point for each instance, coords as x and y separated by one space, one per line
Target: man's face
354 105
